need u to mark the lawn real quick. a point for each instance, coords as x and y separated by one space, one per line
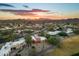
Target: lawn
69 46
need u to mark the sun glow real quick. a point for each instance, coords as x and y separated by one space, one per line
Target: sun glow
30 15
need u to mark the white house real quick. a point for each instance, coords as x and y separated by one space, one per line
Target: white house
38 39
53 32
69 30
19 43
6 49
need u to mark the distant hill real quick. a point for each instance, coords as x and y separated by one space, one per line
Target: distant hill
76 20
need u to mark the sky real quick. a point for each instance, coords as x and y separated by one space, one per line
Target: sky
39 10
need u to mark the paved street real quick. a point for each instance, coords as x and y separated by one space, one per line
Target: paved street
41 49
43 52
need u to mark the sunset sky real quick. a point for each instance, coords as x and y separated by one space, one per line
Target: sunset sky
39 10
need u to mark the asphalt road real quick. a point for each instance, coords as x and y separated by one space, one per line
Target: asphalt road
43 52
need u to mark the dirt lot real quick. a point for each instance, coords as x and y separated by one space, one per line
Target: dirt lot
69 46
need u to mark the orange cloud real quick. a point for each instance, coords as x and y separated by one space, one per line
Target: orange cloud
29 14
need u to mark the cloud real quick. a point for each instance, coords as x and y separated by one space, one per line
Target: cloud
26 6
33 10
8 15
39 10
7 5
30 14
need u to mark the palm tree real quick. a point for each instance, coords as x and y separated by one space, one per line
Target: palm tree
28 40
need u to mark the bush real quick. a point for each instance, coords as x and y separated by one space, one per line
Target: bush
76 31
53 40
63 34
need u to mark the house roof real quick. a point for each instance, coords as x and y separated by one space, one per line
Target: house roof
69 30
7 47
36 37
53 32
